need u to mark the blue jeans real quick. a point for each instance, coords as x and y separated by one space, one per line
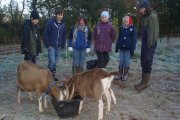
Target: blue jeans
124 56
78 57
53 56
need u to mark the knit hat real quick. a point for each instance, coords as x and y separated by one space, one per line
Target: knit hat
144 4
105 14
34 15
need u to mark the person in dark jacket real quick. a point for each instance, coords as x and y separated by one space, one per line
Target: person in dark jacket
127 44
150 33
31 44
104 36
80 43
55 39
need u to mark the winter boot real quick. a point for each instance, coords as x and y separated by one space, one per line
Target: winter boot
144 82
54 74
74 70
121 71
125 74
80 69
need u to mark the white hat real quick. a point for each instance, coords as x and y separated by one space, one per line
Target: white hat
105 13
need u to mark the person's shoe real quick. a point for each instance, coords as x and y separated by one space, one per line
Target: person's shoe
120 74
125 74
53 72
144 82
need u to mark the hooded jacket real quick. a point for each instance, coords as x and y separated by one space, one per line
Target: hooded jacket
127 38
30 38
55 34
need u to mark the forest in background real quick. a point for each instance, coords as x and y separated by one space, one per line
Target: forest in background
12 16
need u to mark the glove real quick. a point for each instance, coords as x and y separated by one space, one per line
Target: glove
70 49
88 50
116 50
26 51
131 53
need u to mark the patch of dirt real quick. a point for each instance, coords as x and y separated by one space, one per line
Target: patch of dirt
161 101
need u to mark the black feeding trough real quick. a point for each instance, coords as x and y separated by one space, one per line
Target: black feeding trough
67 108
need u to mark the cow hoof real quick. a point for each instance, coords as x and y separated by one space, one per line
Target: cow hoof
41 111
107 112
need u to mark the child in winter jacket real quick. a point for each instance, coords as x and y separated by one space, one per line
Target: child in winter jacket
104 36
55 39
126 44
31 44
79 43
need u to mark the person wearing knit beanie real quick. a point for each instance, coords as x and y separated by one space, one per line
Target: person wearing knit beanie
104 36
31 44
144 4
105 14
149 36
34 15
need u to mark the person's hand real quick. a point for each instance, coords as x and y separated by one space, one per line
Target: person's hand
132 53
26 51
88 50
70 49
49 47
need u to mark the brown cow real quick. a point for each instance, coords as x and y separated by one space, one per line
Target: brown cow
32 77
94 83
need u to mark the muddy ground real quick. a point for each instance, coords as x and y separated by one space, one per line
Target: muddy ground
161 101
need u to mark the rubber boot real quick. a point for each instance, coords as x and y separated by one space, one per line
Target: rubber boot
144 82
54 74
80 69
121 71
74 70
125 73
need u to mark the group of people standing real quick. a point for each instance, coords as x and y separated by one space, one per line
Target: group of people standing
104 34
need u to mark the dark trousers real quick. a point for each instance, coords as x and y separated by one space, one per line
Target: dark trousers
103 59
147 55
30 57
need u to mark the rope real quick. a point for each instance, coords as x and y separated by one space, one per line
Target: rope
23 89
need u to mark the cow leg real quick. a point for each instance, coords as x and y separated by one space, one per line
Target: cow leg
80 106
19 96
112 95
108 98
45 102
101 105
40 104
40 100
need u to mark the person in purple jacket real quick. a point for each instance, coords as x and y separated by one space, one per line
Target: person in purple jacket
55 39
104 36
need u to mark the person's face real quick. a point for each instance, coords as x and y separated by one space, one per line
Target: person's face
142 11
126 22
104 18
81 22
35 21
59 17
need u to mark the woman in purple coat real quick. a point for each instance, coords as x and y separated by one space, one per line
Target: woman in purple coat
104 36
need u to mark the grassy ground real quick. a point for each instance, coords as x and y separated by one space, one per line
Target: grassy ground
161 101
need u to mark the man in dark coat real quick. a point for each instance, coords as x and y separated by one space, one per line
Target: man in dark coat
150 32
31 44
